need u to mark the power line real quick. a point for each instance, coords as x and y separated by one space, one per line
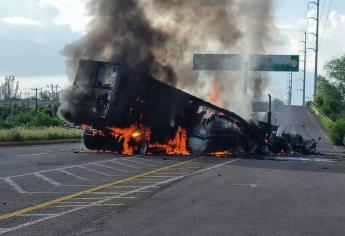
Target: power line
324 27
323 8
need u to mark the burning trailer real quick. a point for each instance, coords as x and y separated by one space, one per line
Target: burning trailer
127 112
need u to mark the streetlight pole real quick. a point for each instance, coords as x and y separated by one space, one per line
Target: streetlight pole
304 64
317 19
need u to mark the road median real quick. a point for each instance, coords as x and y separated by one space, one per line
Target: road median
38 142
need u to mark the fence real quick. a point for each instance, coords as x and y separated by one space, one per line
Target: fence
26 103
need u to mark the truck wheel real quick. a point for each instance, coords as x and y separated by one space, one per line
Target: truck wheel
197 145
142 148
91 142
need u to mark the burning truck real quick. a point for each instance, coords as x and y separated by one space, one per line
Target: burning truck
128 112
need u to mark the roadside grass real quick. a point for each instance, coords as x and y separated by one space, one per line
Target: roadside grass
335 129
35 134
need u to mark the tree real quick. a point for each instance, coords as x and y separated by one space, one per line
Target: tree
327 98
336 70
44 95
9 88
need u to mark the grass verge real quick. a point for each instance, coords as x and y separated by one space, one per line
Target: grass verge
325 121
35 134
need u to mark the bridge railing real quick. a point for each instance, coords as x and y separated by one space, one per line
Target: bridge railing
324 119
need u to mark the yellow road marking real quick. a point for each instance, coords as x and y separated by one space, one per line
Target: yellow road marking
173 173
133 186
91 205
160 176
124 197
91 198
87 191
101 198
114 193
154 181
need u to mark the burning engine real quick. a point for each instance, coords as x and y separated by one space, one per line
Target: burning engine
127 112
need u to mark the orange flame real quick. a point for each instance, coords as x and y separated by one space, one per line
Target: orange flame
126 134
84 126
177 145
174 146
215 91
221 154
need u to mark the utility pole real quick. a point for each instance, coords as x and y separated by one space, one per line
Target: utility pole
289 89
304 64
52 98
36 97
317 19
53 94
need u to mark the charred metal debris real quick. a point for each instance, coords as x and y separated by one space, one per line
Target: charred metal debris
127 112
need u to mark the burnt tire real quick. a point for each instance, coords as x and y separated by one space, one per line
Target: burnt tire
197 145
141 148
92 142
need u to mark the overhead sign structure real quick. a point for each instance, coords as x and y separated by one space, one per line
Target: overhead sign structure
282 63
221 62
235 62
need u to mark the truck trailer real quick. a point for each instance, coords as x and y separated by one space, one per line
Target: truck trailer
126 111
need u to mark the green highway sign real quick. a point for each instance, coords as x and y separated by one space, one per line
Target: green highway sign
287 63
235 62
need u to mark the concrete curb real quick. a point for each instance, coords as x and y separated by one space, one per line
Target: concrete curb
38 142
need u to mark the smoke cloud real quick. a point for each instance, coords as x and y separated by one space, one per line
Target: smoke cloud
159 37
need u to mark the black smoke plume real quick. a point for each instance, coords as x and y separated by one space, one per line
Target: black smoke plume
159 37
120 32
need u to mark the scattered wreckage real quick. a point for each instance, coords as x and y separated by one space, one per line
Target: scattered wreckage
127 112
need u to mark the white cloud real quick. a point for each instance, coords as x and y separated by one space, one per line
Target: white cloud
28 82
21 21
71 13
331 43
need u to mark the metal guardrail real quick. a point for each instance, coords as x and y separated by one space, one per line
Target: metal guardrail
320 113
26 103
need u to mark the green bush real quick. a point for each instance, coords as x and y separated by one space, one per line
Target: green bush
32 134
337 132
15 116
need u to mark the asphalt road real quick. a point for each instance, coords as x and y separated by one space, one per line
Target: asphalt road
63 190
299 120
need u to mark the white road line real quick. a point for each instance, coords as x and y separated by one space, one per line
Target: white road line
34 154
124 164
95 171
7 230
247 185
14 185
139 162
75 202
56 169
73 175
110 167
48 192
36 215
172 173
47 179
146 159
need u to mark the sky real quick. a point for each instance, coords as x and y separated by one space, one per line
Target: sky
33 34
